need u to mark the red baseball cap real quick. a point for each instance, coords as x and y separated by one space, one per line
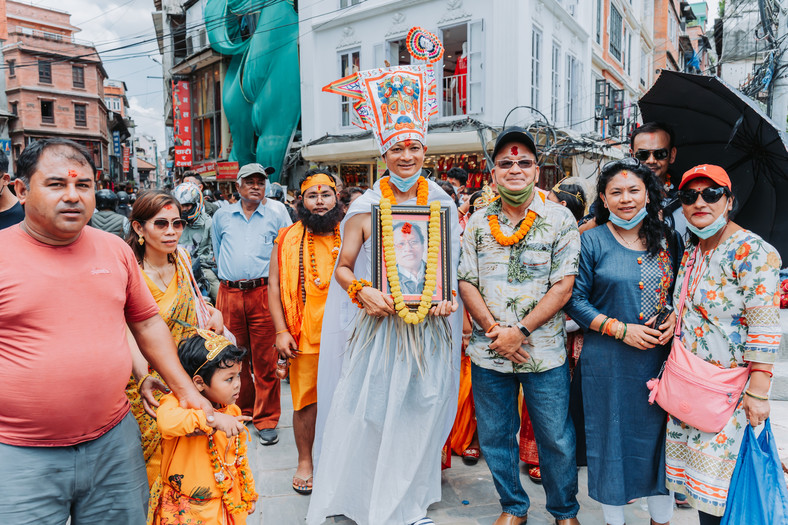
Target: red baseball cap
710 171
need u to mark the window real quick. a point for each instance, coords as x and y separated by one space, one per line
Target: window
348 63
644 67
455 70
78 76
206 114
573 76
347 3
629 53
81 114
15 108
48 111
536 52
673 28
45 71
11 67
616 27
599 21
554 81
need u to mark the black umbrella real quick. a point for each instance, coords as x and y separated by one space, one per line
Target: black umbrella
716 124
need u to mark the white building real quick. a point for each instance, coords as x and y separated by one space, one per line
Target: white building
499 54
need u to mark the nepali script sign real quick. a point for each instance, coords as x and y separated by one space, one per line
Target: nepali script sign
182 123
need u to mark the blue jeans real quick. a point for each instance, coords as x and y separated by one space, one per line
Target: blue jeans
547 397
94 483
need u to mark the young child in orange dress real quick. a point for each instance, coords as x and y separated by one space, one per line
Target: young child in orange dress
205 477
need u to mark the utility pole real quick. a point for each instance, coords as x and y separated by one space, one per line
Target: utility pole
780 93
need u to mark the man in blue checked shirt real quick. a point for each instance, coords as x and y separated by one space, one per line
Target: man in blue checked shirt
243 237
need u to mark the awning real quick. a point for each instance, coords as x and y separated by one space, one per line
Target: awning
366 149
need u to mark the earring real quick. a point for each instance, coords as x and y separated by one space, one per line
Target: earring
141 241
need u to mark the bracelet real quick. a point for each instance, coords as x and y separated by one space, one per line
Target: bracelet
282 331
602 326
755 396
356 287
771 375
609 327
625 332
139 383
491 327
620 331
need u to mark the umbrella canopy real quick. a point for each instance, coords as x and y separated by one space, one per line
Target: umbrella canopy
716 124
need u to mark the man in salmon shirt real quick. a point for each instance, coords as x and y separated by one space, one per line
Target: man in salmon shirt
68 445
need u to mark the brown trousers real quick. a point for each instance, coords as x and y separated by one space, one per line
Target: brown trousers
246 315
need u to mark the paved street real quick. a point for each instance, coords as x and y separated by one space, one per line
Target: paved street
468 494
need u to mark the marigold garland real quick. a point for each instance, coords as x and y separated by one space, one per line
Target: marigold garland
422 192
433 251
224 478
519 235
310 241
356 287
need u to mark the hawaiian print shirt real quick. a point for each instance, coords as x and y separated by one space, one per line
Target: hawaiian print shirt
732 310
513 279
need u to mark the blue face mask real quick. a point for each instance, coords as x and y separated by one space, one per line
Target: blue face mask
401 184
704 233
631 223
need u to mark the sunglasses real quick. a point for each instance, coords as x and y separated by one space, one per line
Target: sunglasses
644 154
163 224
626 162
507 164
709 195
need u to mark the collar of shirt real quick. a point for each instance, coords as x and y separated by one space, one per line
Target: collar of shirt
237 208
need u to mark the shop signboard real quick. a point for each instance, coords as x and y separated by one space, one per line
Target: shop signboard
226 170
116 143
126 158
182 123
206 169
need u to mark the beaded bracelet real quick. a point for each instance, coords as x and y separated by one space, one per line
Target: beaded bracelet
755 396
356 287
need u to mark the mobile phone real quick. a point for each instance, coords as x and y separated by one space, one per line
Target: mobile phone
662 316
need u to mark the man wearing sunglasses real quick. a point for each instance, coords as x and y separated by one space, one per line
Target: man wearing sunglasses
517 267
243 238
653 145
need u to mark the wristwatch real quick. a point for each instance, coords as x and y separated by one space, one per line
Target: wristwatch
523 330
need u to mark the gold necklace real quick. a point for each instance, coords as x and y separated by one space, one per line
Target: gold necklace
161 277
628 243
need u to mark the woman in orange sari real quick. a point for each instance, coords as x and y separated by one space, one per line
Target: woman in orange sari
156 227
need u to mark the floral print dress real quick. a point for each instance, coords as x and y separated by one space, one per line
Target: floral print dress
730 318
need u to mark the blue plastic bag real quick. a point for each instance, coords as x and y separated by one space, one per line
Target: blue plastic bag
757 494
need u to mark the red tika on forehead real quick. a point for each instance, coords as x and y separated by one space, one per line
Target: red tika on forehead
168 207
406 228
319 188
514 150
624 174
72 173
406 143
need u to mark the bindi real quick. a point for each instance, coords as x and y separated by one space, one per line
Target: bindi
73 173
319 188
406 143
168 207
514 150
625 174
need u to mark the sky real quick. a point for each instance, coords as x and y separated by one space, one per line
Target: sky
110 24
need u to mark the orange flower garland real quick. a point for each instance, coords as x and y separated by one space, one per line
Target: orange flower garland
310 241
356 287
422 193
224 480
519 235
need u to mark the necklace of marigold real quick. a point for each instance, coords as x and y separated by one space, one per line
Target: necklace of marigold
224 479
433 250
310 241
519 235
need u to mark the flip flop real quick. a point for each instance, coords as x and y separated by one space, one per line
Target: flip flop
535 473
302 486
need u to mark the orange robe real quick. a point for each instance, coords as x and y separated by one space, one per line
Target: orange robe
186 491
304 318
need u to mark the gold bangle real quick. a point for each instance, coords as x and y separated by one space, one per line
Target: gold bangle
282 331
756 396
139 383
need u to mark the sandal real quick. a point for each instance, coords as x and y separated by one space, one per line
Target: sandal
535 473
470 455
302 486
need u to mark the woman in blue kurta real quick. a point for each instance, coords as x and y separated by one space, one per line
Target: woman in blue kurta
626 274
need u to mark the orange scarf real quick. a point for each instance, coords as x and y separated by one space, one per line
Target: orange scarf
290 246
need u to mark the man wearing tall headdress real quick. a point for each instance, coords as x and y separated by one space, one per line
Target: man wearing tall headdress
301 266
387 388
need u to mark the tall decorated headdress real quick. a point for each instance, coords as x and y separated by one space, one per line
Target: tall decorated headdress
395 103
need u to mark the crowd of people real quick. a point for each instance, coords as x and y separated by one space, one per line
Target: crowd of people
139 361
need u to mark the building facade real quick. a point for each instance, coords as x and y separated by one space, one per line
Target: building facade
121 130
520 61
54 82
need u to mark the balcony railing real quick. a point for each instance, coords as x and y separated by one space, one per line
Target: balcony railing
48 35
455 95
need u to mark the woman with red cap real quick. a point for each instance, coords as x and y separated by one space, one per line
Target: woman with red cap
731 319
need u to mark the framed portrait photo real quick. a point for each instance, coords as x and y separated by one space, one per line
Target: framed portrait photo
410 236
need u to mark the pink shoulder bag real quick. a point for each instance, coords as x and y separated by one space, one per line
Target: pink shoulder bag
691 389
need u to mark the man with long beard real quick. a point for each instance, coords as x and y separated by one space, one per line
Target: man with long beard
301 267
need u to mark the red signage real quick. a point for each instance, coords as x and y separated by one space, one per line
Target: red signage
206 169
182 122
126 158
226 170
